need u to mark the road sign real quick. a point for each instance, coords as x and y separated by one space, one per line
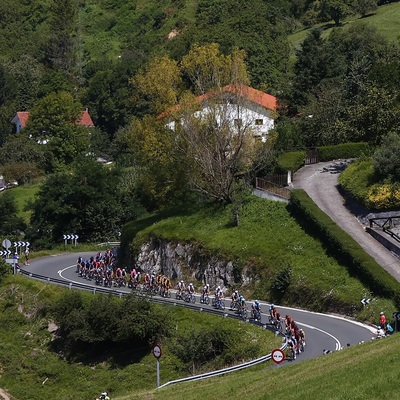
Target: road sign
365 301
6 243
278 356
396 315
157 352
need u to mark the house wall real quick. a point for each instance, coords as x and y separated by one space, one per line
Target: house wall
257 118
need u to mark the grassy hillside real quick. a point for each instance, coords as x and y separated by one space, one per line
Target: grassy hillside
385 19
363 372
272 248
30 371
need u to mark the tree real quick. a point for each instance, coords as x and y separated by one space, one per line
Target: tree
336 9
364 7
11 223
53 122
208 149
85 201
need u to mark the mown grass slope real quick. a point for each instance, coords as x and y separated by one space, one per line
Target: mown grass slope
385 19
269 245
363 372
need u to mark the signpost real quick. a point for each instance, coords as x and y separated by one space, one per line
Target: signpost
365 301
396 317
71 237
278 356
157 353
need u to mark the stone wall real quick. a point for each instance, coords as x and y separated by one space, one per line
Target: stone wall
188 262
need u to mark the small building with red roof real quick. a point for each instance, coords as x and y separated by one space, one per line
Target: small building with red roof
21 119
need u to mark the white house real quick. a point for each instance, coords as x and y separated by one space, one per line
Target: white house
241 105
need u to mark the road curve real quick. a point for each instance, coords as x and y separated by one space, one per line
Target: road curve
323 331
320 182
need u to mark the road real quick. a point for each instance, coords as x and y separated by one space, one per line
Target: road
322 187
323 332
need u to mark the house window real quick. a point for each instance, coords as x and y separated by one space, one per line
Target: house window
259 121
238 122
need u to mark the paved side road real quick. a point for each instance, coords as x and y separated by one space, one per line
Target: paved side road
322 186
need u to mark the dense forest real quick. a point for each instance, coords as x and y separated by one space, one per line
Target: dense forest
59 57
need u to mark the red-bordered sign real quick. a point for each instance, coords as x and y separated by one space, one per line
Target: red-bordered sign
278 356
157 352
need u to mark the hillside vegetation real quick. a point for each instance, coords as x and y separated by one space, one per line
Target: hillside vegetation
286 265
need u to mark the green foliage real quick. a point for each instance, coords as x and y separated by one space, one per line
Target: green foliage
342 246
357 177
11 222
387 158
343 150
86 200
292 161
86 328
281 283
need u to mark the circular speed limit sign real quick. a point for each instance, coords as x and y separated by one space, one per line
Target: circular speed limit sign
278 356
157 351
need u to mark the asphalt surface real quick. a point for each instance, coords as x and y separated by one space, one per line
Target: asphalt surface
320 182
323 332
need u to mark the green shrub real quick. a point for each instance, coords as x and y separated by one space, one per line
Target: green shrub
343 150
292 161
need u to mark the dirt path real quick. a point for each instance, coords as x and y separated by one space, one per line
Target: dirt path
322 187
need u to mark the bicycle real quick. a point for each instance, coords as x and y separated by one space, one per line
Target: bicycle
190 298
204 299
178 295
243 312
256 315
220 304
234 305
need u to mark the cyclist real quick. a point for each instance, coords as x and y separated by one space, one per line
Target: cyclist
235 298
190 288
302 337
205 293
256 309
292 344
272 312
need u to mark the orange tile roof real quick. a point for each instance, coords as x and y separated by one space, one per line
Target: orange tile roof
23 117
85 119
255 96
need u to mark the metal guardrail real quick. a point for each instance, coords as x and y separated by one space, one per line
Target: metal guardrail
161 300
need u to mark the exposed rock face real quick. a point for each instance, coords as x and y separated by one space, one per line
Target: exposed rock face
186 261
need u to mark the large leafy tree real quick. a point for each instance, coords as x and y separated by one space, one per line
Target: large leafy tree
85 201
53 122
209 151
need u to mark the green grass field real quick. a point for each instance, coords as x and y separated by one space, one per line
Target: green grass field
363 372
386 20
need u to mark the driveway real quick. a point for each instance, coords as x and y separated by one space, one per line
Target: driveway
320 182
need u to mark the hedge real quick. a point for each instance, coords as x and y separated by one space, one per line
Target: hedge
344 150
294 160
342 246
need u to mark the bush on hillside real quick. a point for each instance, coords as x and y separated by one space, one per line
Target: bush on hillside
292 161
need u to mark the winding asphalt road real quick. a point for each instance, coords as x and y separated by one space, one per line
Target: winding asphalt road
323 332
320 182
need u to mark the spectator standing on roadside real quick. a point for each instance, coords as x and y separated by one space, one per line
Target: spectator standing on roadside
382 320
27 256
